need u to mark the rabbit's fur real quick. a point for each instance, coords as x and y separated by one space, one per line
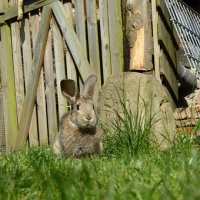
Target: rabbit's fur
79 135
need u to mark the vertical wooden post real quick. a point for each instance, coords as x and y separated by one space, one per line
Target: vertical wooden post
8 84
116 35
80 23
105 40
93 39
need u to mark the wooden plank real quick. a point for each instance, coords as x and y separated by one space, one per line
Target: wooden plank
12 12
50 89
116 35
166 39
72 40
105 40
60 67
167 70
93 41
17 60
28 72
155 40
40 99
71 69
8 84
80 20
18 69
38 56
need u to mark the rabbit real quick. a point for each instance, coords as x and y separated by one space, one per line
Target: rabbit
79 135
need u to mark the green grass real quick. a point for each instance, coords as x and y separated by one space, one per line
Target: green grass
38 174
129 168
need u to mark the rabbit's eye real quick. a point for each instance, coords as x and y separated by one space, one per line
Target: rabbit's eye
93 107
77 106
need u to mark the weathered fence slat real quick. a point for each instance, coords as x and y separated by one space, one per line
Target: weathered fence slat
116 35
81 23
60 67
93 39
71 69
28 72
106 57
8 84
72 40
18 68
50 90
40 99
38 55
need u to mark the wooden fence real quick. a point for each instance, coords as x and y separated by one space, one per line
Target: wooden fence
54 41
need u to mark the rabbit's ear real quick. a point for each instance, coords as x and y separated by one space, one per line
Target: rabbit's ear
89 85
68 88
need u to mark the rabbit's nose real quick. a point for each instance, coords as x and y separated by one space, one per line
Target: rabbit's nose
88 117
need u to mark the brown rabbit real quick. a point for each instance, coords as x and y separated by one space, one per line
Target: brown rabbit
79 135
